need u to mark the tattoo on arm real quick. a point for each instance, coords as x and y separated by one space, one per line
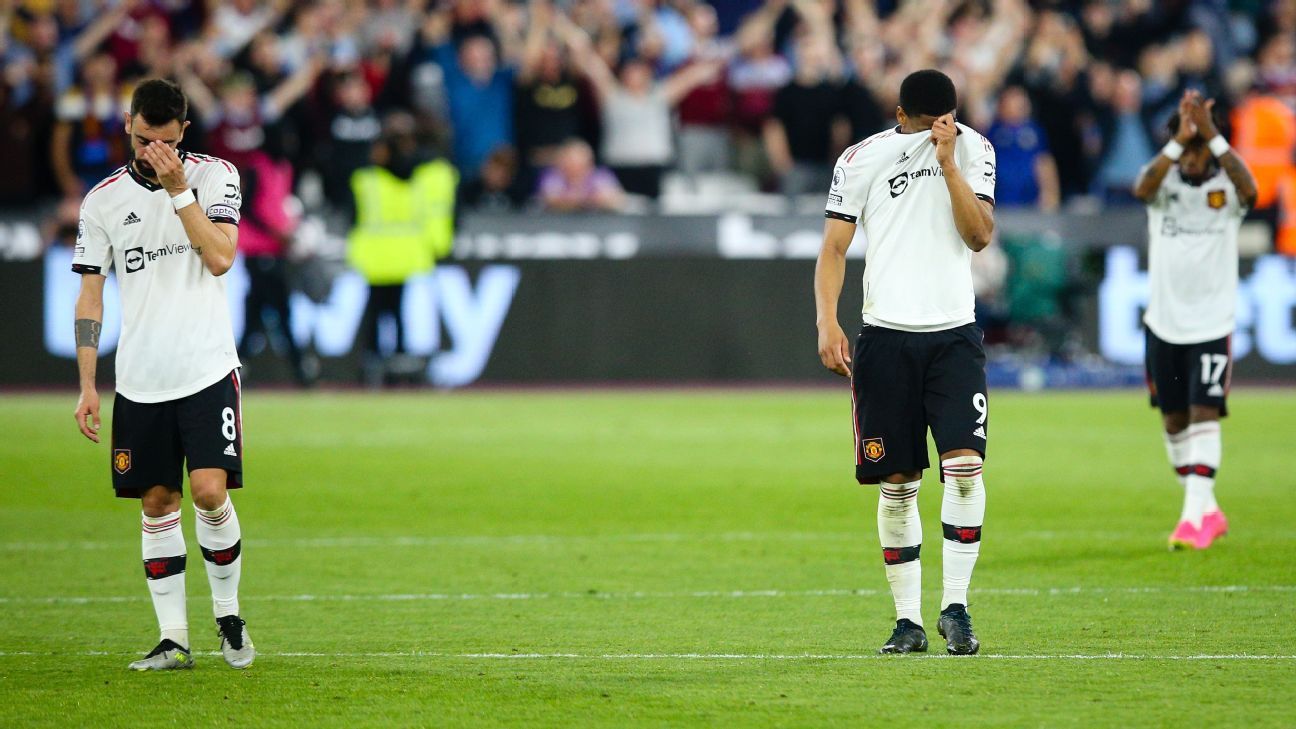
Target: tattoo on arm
1151 176
1240 176
87 333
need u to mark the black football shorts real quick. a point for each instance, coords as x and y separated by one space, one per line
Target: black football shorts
152 443
906 382
1180 375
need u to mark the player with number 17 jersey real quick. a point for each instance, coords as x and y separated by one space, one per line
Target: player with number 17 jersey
1197 191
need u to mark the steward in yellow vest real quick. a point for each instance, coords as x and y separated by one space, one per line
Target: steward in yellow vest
404 208
403 225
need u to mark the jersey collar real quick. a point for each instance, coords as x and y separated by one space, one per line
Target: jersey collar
143 181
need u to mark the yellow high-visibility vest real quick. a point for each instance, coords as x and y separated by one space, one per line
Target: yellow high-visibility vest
402 226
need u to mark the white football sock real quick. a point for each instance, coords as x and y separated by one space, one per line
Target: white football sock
962 514
163 547
900 531
220 539
1176 445
1204 447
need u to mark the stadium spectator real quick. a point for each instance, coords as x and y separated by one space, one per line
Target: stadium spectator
706 111
480 92
404 205
22 126
574 183
498 189
636 113
1027 174
234 23
236 123
755 76
1055 72
352 131
1127 140
809 127
547 107
265 238
88 143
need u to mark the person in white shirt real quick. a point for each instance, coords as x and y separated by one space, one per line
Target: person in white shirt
167 222
1197 192
923 193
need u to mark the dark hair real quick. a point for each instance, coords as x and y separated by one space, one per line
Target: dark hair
160 102
928 92
1172 125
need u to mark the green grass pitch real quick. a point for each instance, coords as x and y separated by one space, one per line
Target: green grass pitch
651 558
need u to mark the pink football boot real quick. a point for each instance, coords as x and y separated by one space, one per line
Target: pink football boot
1185 536
1214 525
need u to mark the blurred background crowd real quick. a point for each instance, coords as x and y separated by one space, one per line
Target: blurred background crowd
351 118
589 104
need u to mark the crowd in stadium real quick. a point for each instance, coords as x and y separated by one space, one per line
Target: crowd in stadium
580 104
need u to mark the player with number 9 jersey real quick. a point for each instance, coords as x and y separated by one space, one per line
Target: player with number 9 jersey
922 194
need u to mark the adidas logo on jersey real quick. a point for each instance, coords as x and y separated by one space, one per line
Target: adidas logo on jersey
229 450
980 432
131 219
904 157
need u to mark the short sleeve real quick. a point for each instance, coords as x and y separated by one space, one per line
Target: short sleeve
223 196
979 170
93 251
848 190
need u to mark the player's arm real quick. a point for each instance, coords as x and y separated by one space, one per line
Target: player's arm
1148 182
830 271
88 324
973 217
215 243
1229 161
1240 175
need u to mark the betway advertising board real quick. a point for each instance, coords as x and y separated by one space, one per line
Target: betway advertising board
718 299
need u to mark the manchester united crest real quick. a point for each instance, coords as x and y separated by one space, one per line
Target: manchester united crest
873 449
1216 199
121 460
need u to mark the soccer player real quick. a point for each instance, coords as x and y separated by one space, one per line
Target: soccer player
924 194
1197 191
168 223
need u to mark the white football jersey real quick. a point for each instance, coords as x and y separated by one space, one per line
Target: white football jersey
176 337
1193 259
917 274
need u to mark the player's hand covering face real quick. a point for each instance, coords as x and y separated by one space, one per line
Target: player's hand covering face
166 165
943 135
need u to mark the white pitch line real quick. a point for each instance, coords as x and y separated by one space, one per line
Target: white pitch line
700 656
489 540
677 595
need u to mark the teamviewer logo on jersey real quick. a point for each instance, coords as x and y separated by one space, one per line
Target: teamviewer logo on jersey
899 184
134 259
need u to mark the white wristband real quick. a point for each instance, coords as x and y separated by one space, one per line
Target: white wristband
183 200
1173 150
1218 146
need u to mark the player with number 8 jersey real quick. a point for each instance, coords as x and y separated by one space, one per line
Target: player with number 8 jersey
167 224
923 195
